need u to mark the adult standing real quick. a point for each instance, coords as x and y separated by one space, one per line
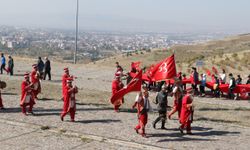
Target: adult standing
3 63
203 84
223 77
162 101
47 68
232 85
187 111
194 79
10 65
69 102
40 66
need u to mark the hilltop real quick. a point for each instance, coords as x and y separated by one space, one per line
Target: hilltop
231 53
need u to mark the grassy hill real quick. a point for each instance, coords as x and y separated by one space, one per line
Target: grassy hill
231 54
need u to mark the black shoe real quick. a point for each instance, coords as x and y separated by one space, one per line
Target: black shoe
154 125
61 118
164 128
181 130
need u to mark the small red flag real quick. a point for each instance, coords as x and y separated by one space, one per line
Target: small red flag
208 72
133 86
215 70
135 65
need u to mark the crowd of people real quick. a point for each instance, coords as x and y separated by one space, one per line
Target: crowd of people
183 95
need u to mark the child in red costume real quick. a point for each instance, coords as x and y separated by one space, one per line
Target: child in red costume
116 86
35 80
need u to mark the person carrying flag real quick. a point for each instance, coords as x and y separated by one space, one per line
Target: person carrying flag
69 102
116 86
142 105
27 97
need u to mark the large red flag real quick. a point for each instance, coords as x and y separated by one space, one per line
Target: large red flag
165 69
134 85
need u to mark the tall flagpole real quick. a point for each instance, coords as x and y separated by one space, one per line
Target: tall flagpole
76 39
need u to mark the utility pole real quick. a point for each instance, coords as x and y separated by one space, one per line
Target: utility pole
76 39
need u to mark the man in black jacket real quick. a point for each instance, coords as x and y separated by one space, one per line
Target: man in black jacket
162 101
232 85
47 68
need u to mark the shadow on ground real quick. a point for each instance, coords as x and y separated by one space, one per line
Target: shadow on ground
98 121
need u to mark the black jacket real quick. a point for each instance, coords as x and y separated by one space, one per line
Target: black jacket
162 101
47 66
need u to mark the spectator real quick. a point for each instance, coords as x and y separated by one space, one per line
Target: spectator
40 66
232 86
203 84
118 67
223 77
238 80
10 65
47 68
216 89
195 80
3 61
184 84
248 82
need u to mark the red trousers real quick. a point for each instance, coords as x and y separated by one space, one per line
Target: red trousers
142 121
72 112
176 107
24 108
186 125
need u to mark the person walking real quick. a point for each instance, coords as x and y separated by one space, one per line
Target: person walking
143 106
40 66
47 68
232 85
162 101
10 65
69 102
27 97
3 63
187 111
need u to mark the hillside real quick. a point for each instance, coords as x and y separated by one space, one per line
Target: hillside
231 54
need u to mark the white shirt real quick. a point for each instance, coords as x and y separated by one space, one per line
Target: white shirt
223 77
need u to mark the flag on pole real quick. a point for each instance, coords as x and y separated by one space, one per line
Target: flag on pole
165 69
133 86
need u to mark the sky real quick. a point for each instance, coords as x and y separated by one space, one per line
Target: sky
130 15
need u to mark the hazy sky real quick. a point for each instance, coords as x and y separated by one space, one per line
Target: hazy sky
134 15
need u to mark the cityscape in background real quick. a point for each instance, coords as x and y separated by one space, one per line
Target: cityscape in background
93 45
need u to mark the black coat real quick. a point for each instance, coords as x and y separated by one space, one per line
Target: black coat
47 66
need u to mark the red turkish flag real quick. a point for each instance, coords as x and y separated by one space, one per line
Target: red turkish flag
165 69
133 86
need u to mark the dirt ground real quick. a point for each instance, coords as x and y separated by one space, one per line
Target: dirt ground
218 123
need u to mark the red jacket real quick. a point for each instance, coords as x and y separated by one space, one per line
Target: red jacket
186 110
26 89
69 95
